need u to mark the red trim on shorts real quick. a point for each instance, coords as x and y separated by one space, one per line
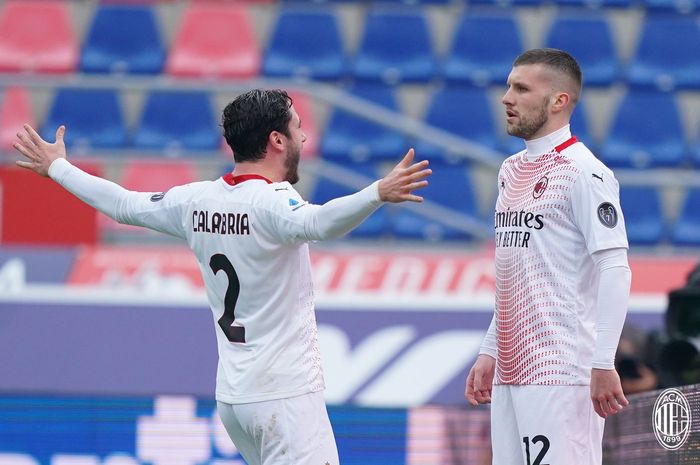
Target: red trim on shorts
232 180
566 144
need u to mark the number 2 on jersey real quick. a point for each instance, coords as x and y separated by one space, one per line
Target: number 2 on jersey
217 263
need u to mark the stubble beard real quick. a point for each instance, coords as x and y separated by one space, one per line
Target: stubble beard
529 127
292 165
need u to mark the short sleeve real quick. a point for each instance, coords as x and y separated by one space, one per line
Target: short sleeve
285 214
595 204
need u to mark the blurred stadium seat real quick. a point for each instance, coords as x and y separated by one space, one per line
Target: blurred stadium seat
214 40
15 111
686 230
646 132
123 39
351 137
463 111
449 186
643 214
176 121
668 53
37 36
306 44
483 49
595 4
327 188
93 119
396 47
680 6
589 39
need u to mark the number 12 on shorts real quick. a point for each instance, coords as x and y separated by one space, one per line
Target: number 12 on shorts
543 450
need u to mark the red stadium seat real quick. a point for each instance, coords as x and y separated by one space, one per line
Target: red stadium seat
150 176
303 106
37 36
215 40
14 112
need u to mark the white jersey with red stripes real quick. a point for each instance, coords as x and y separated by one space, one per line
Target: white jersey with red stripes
248 236
554 209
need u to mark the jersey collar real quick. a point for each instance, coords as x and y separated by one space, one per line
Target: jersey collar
232 180
558 140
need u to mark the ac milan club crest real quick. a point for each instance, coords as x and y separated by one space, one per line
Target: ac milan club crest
540 187
671 419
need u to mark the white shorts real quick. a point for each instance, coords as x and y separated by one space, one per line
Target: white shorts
538 425
293 431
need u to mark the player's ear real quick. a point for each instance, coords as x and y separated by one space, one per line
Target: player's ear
276 140
560 101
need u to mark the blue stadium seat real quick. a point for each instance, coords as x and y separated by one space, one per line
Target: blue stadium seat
414 2
668 54
377 224
686 230
396 47
93 119
643 214
483 50
449 186
594 4
351 137
679 6
123 39
463 111
306 44
507 3
588 38
646 132
173 120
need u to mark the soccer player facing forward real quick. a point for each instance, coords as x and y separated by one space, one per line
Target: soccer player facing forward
250 231
546 364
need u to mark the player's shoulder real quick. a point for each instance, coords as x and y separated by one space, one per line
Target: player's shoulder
183 191
589 165
276 196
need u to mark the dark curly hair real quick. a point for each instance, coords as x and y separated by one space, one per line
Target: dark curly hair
250 118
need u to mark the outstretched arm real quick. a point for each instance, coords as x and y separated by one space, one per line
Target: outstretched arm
128 207
49 160
340 216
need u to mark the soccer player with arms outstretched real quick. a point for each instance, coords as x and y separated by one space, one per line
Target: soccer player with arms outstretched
249 231
562 280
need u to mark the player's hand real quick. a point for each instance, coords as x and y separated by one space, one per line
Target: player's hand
399 184
606 392
39 153
480 380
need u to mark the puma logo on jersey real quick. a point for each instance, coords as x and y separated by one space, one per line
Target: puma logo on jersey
597 177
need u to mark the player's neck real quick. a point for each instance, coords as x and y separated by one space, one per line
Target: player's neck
259 169
536 147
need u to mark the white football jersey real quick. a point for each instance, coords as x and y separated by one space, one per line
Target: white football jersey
248 236
553 211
